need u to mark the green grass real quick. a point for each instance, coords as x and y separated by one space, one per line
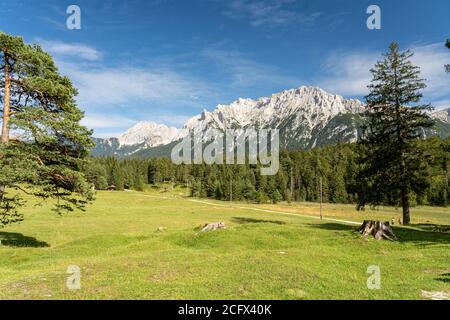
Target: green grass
261 255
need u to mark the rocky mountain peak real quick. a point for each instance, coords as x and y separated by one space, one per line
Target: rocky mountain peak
306 117
150 133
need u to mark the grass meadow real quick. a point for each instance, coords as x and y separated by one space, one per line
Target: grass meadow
144 245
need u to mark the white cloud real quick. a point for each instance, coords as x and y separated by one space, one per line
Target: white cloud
114 125
106 122
108 134
98 84
106 91
270 13
125 85
431 59
171 119
245 72
347 73
76 50
442 104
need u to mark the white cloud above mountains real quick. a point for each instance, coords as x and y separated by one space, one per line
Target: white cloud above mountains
431 59
100 121
106 92
99 84
347 72
105 88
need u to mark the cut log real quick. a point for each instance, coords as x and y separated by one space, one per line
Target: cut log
211 227
379 230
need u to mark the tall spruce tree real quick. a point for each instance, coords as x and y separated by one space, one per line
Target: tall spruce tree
393 162
42 143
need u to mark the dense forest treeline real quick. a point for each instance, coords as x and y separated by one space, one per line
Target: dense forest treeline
298 178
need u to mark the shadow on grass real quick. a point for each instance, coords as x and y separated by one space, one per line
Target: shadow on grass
11 239
445 277
405 234
243 220
442 228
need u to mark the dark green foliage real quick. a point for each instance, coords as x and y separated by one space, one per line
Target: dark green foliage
438 192
122 174
391 162
43 144
96 174
299 170
394 163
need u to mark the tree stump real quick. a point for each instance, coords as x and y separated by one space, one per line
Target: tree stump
213 226
379 230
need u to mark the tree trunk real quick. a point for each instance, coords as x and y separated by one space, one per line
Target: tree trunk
6 103
6 113
405 206
292 184
379 230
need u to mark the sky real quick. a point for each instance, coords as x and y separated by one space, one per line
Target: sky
168 60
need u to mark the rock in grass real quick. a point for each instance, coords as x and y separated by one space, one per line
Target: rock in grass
213 226
436 295
297 293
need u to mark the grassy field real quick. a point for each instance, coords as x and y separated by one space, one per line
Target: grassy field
266 252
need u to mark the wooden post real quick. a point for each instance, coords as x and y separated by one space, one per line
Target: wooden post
446 183
292 185
299 187
321 198
231 190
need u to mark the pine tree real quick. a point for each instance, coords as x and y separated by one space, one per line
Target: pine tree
393 162
446 168
118 179
96 175
276 196
43 146
442 166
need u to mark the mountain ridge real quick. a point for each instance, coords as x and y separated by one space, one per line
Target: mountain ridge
306 117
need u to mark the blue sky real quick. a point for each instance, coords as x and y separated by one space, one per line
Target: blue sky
167 60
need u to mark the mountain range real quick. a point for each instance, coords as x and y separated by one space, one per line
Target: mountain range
306 117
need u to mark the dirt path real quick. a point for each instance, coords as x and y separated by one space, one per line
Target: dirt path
259 209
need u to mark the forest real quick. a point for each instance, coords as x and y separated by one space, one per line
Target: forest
337 167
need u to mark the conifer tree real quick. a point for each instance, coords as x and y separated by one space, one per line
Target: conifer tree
43 146
393 162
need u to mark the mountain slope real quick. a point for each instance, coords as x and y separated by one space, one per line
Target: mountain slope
307 117
297 113
141 136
